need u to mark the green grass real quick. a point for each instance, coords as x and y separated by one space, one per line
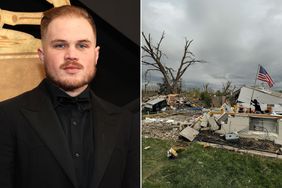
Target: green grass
197 166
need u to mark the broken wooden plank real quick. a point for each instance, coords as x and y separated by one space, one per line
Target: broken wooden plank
189 133
213 124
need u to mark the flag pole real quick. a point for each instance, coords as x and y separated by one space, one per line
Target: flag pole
254 86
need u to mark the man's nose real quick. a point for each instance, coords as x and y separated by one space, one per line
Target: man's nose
71 54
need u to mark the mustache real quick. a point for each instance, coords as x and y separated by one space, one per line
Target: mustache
71 63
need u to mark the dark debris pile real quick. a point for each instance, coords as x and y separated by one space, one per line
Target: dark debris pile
242 143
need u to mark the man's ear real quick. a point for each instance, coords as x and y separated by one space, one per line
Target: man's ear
96 51
40 54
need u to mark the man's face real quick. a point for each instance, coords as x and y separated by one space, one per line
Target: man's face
69 53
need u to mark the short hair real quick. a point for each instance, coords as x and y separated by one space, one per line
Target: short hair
66 10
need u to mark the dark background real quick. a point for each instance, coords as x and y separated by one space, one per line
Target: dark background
118 32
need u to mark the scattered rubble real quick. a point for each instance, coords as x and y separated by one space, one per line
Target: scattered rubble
168 127
223 126
242 143
171 153
170 102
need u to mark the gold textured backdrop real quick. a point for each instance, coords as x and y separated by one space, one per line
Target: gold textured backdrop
20 67
19 75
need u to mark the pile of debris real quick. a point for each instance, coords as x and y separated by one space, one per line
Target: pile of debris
226 126
207 127
167 127
242 143
172 102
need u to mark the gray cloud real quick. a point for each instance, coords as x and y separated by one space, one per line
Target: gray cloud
233 36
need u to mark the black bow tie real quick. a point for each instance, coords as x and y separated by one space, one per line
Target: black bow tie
83 103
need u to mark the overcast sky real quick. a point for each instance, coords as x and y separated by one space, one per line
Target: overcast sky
232 36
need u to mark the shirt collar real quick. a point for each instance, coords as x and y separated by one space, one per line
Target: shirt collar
55 92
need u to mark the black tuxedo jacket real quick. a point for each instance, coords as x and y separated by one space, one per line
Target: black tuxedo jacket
34 152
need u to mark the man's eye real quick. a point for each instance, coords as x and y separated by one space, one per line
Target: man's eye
82 46
59 46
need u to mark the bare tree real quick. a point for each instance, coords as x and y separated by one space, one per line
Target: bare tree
171 77
227 88
206 87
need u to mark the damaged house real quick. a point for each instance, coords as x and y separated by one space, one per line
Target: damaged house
235 123
269 100
267 125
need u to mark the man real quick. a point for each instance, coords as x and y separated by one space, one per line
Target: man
256 104
60 135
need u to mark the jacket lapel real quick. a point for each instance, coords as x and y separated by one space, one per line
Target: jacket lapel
105 135
44 120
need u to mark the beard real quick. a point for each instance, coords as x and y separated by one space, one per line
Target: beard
70 84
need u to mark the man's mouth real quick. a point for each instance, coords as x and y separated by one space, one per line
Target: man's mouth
71 67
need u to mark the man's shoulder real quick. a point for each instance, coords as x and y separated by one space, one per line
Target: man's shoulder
108 106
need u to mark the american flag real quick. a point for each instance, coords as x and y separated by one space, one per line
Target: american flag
264 76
